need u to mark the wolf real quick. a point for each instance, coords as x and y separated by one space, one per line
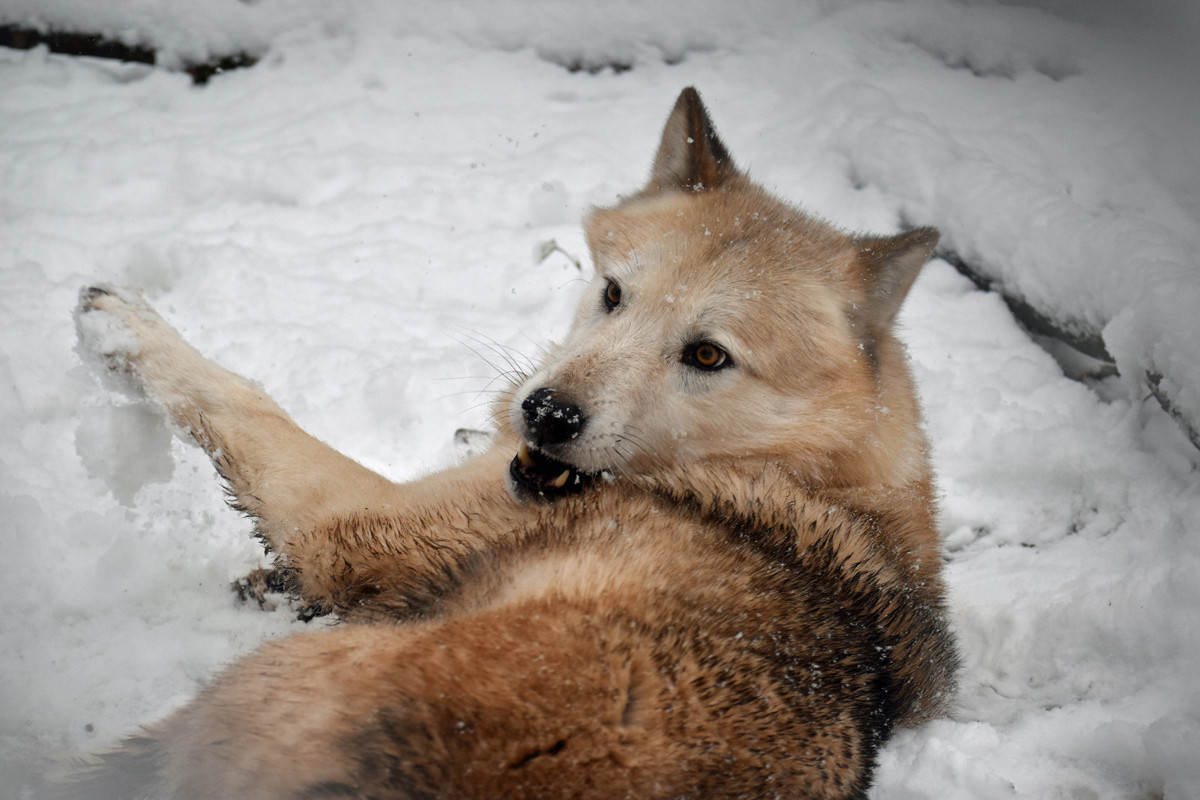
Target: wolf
699 559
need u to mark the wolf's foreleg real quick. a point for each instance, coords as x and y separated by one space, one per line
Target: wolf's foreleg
312 505
277 473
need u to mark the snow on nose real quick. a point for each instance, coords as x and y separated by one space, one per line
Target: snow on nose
550 419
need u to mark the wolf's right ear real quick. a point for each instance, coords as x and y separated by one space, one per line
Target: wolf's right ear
690 157
887 267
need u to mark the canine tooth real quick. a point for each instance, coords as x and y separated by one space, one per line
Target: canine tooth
561 480
523 457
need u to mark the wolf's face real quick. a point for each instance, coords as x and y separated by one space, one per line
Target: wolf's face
720 324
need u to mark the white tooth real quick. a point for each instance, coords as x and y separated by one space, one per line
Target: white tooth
561 480
523 457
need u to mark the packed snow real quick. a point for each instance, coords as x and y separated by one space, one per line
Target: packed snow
384 209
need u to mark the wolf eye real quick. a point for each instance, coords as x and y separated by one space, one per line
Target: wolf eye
612 296
706 356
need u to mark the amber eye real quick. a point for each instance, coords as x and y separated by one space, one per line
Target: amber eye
706 356
612 296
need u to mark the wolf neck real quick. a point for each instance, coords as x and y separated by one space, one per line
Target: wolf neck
890 454
759 484
898 520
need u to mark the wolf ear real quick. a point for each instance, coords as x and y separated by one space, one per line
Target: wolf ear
888 266
690 156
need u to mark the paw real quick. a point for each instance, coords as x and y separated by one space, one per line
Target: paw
279 581
261 582
118 328
102 331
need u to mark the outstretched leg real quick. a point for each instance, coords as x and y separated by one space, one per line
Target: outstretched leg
277 473
340 525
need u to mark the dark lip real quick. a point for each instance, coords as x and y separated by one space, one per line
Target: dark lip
541 476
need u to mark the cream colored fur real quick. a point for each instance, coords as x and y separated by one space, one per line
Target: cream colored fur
698 561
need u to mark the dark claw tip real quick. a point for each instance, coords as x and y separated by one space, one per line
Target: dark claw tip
89 294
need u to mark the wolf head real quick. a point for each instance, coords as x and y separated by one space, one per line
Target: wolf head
723 325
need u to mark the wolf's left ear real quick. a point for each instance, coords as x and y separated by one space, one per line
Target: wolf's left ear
888 266
690 157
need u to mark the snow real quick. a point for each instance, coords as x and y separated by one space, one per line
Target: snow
361 222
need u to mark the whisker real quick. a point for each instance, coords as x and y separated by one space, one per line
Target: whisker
509 365
635 435
516 361
510 368
473 392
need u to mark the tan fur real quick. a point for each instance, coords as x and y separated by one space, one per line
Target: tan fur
737 594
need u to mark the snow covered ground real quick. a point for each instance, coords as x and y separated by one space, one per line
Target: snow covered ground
357 222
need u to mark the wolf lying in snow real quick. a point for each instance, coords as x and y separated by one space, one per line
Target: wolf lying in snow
698 561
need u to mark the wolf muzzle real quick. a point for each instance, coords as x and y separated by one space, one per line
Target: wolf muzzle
550 419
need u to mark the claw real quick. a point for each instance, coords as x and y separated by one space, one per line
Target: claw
89 294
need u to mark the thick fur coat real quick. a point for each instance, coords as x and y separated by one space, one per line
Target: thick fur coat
698 561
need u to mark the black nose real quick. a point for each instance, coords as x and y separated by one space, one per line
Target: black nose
551 419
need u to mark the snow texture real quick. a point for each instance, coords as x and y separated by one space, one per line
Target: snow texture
373 219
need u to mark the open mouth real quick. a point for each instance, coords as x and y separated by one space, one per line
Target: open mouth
546 477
